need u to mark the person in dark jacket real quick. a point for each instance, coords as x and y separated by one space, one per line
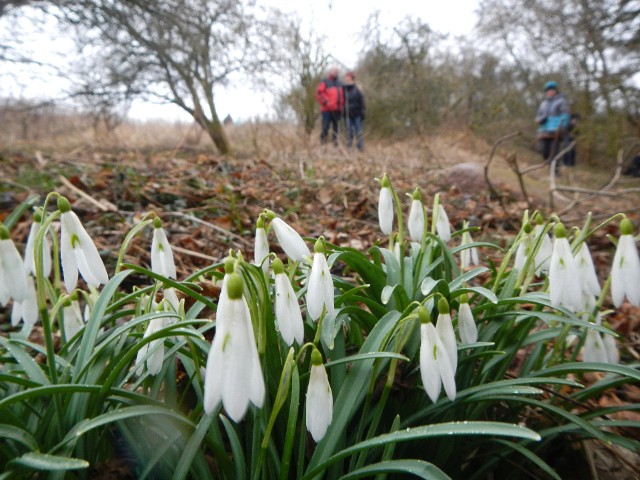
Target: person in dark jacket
354 110
553 120
330 96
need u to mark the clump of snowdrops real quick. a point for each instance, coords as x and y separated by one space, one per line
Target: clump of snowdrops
310 360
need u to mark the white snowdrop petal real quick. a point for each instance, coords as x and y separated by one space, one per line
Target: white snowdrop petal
444 329
315 288
385 210
443 228
319 403
429 371
261 249
415 222
467 325
13 270
290 240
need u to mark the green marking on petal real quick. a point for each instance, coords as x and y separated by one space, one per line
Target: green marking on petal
75 241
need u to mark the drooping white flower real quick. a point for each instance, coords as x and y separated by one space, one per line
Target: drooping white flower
27 310
525 246
435 366
385 206
319 399
468 256
233 374
594 349
261 246
466 324
287 308
320 287
444 329
153 351
443 228
625 271
162 261
29 251
587 271
13 276
73 319
290 240
542 258
77 251
564 286
416 220
611 348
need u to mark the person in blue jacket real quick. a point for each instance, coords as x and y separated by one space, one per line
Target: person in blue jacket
553 119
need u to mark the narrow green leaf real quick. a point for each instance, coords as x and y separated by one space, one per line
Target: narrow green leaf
535 459
46 462
237 451
192 448
417 468
23 437
427 431
366 356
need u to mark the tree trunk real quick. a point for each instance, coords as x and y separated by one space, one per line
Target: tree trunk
216 132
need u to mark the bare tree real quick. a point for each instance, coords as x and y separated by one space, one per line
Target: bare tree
178 51
303 62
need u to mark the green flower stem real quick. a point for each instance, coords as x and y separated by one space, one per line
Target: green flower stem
129 237
44 312
316 339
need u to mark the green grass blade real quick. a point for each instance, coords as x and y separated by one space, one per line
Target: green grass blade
417 468
428 431
46 462
192 448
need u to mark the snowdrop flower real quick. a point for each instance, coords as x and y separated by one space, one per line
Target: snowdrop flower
564 286
320 287
153 351
625 272
468 256
416 220
611 348
443 228
73 319
27 310
594 349
29 251
545 249
587 271
524 249
435 366
290 240
319 398
287 308
600 347
77 251
233 374
13 277
161 254
385 206
444 329
261 246
466 324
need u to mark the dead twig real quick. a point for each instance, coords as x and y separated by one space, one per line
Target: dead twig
492 189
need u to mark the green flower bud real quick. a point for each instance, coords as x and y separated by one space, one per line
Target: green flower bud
234 286
560 231
157 223
4 232
278 266
423 315
626 227
443 306
319 246
528 228
316 357
63 205
416 195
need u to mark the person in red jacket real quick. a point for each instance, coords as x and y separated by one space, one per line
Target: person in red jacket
331 99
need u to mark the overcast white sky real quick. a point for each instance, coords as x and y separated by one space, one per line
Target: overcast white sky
340 21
